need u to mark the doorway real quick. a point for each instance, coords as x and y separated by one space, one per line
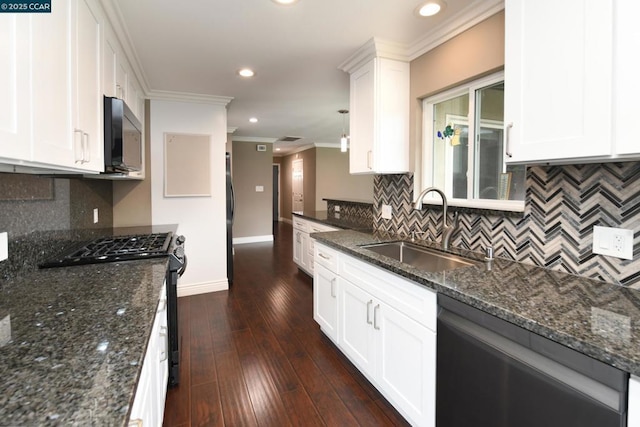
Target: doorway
297 185
276 195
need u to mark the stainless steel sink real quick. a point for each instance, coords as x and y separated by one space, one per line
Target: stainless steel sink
418 256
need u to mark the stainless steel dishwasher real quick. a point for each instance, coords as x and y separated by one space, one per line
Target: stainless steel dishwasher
493 373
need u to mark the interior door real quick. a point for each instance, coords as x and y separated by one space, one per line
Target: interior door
297 185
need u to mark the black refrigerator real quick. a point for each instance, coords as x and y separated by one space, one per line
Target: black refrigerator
231 202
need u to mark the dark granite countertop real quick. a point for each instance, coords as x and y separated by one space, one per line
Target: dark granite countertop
72 340
345 223
599 319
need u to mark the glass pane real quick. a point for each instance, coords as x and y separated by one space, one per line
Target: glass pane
451 146
493 179
489 137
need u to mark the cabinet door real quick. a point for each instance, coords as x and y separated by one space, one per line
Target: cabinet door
407 364
355 320
14 87
558 79
88 80
626 70
361 119
109 65
54 141
325 301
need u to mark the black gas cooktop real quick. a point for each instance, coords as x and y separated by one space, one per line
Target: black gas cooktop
113 249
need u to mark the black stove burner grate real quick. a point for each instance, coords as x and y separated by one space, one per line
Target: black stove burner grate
113 249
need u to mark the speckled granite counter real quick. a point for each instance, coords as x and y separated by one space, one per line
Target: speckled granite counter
598 319
72 341
345 223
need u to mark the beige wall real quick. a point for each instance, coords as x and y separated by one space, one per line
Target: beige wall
334 181
474 53
253 214
132 199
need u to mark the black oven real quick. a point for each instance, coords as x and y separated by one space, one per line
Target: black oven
129 247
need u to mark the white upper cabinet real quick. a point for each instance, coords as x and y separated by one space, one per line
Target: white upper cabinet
14 84
626 69
88 112
570 80
558 80
379 112
53 86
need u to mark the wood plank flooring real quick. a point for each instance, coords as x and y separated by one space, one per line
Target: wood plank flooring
253 356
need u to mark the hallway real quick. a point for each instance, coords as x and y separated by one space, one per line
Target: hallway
253 356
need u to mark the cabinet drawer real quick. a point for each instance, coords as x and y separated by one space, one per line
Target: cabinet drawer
299 224
415 301
314 227
326 257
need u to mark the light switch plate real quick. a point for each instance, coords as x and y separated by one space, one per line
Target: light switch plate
259 188
386 212
616 242
95 216
4 246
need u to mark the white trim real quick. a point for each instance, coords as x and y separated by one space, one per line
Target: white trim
327 145
232 129
202 288
472 15
252 239
168 95
287 220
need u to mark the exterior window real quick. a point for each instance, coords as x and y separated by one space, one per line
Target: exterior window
464 148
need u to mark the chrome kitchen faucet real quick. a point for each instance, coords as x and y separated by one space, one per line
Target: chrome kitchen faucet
447 231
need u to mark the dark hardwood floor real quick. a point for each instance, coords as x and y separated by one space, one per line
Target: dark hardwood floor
253 356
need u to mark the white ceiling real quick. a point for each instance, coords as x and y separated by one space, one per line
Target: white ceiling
197 46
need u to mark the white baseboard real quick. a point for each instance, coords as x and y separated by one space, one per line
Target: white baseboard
252 239
185 290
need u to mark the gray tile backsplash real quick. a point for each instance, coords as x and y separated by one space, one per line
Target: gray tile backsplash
32 206
562 205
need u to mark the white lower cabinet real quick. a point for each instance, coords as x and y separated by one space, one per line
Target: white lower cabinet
386 326
148 404
303 244
634 402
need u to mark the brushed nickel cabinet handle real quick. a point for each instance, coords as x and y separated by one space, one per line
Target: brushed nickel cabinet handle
333 287
323 256
375 317
508 143
369 305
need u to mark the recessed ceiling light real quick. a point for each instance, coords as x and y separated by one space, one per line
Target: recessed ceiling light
253 120
277 149
430 8
246 72
285 2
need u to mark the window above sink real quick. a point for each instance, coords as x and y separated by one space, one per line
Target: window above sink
463 148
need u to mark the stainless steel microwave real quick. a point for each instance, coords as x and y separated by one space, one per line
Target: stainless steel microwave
122 137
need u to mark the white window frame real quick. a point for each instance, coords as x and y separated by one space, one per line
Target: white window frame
427 143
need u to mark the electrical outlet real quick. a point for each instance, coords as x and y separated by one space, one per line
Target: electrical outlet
336 208
616 242
4 246
259 188
95 216
386 212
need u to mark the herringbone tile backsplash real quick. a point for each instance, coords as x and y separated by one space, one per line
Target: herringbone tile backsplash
563 204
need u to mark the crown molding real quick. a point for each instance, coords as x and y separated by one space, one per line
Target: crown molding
375 48
167 95
231 129
253 139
